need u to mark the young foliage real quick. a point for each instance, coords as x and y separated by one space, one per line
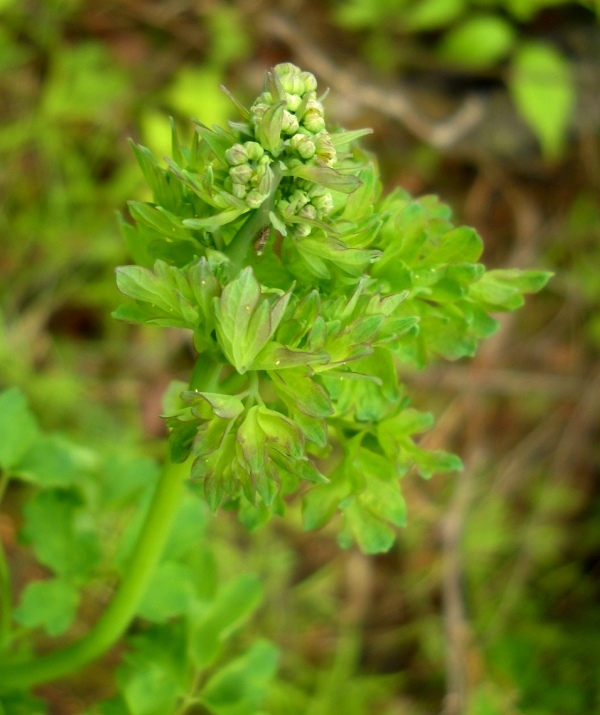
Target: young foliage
304 289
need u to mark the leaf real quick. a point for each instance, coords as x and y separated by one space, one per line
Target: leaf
459 245
212 223
18 428
479 41
61 540
234 603
328 177
152 678
169 593
304 392
50 604
233 312
224 406
242 685
373 535
53 461
543 88
503 288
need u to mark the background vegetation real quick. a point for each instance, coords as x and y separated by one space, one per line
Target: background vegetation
493 590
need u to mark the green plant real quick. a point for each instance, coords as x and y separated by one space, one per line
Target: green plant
303 289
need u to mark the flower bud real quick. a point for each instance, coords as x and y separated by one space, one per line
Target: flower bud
302 145
292 83
308 211
323 203
254 150
284 68
293 101
236 155
254 198
313 116
325 149
239 191
240 174
302 230
309 81
289 124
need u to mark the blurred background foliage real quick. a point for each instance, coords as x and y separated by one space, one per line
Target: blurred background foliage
494 588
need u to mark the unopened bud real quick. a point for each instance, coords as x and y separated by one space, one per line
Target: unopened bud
240 174
302 230
308 211
289 123
239 191
303 145
323 203
254 150
309 81
284 68
254 198
236 155
293 101
325 150
313 116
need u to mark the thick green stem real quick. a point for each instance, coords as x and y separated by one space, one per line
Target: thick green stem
251 228
123 607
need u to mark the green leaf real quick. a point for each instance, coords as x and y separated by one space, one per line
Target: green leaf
18 428
373 535
152 678
328 177
479 41
427 15
169 593
51 605
209 403
304 392
233 312
503 288
459 245
233 605
242 685
543 88
53 461
61 539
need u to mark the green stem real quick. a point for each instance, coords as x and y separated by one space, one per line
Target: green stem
5 589
251 228
123 607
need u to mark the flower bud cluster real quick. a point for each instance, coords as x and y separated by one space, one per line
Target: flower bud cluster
303 140
305 201
250 176
303 135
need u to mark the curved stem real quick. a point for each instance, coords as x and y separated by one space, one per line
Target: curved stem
122 609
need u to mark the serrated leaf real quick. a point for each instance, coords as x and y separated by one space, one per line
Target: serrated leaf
304 392
151 678
50 604
233 312
60 540
18 428
373 535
